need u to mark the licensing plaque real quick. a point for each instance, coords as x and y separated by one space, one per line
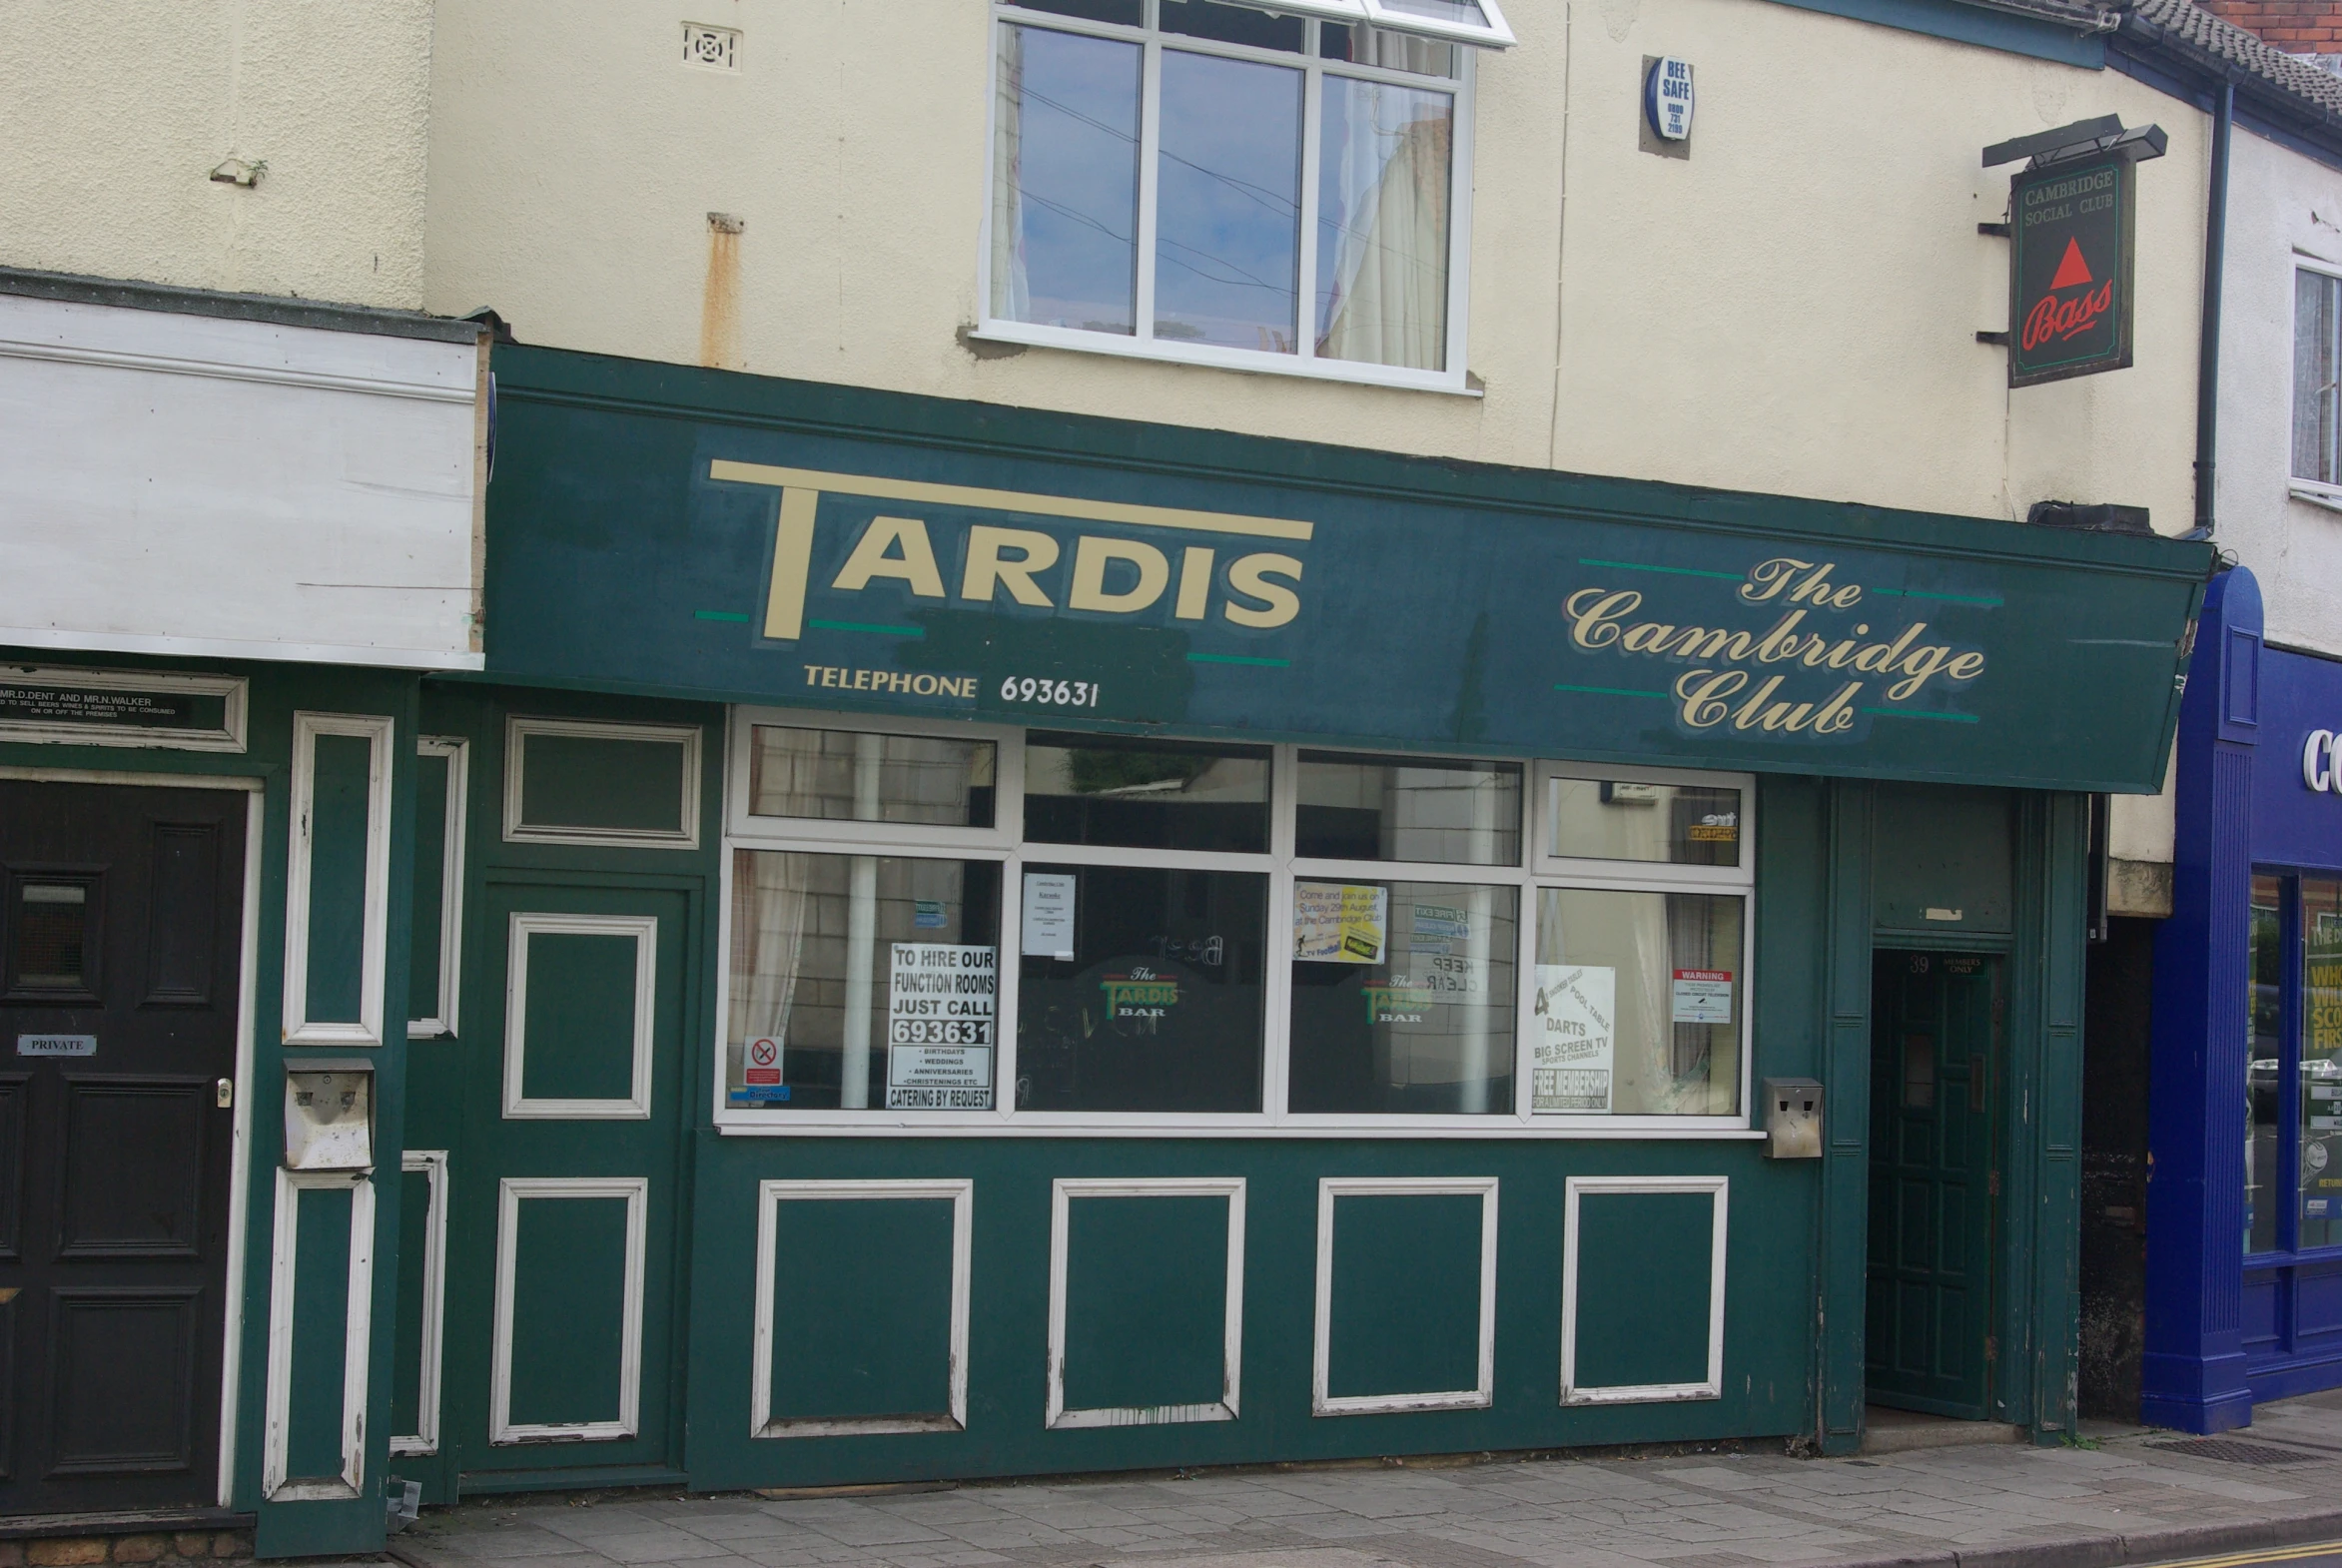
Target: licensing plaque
122 708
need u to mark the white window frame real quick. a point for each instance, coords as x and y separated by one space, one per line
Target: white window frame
1141 343
1004 845
2319 492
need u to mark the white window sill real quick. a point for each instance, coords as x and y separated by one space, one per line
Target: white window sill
2328 497
1211 357
736 1124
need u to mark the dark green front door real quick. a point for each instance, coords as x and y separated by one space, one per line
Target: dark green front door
1934 1180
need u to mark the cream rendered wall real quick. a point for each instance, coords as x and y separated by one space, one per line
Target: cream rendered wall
2281 206
1793 308
114 116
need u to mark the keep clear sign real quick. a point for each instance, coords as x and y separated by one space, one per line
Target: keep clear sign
940 1027
1573 1044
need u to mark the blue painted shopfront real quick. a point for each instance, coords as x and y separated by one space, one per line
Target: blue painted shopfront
2244 1212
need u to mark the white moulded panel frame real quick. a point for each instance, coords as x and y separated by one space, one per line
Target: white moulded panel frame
230 736
1330 1190
1710 1387
1004 844
644 930
1305 361
276 1483
442 1021
300 1029
517 830
432 1165
959 1192
1064 1193
512 1192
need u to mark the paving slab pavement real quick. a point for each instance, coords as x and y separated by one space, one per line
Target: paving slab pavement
2131 1498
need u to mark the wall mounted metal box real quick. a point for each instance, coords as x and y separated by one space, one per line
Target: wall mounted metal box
330 1116
1792 1119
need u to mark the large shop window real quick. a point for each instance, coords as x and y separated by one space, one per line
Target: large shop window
997 928
2293 1148
1222 183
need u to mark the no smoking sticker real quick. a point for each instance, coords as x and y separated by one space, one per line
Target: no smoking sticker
764 1061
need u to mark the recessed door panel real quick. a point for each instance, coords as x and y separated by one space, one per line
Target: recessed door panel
134 1155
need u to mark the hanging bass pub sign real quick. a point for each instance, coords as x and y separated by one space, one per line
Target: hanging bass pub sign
2072 228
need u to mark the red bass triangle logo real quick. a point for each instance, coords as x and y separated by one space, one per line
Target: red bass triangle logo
2071 269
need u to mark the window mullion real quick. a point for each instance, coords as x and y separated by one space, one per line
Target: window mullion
1150 136
1306 281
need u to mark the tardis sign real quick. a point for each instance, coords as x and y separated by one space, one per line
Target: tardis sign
2071 231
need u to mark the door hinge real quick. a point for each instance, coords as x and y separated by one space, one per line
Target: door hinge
1993 1183
224 1093
1992 1348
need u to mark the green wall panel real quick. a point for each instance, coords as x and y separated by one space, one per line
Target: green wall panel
1945 849
862 1307
321 1331
581 781
568 1309
580 1020
1146 1301
431 870
407 1333
1644 1278
1406 1294
336 877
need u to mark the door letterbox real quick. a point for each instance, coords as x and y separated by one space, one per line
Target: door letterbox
1792 1119
330 1116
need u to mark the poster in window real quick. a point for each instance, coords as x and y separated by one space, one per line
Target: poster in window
1048 915
1338 923
1702 996
940 1018
1573 1041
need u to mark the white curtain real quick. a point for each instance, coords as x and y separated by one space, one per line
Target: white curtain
1385 201
771 904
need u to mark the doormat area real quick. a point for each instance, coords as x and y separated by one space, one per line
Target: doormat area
2232 1452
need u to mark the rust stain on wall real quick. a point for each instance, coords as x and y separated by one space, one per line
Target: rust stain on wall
719 305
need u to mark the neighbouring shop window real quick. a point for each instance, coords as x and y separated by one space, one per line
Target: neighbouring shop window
1403 997
861 776
2265 1012
1259 253
997 925
1638 1007
863 982
2321 1061
1139 989
2317 376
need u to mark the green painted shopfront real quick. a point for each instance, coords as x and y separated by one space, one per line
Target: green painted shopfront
948 941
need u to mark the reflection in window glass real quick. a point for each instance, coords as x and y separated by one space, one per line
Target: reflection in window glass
862 981
849 775
1619 819
52 936
2267 1010
1141 989
1146 794
1227 202
1638 1003
1384 153
1362 45
1234 24
1378 808
1065 219
1403 997
2321 1061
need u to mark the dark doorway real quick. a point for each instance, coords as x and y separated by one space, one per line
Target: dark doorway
119 939
1936 1073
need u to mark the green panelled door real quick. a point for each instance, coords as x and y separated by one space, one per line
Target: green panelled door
1933 1181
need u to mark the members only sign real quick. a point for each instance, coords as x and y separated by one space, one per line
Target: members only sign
2069 270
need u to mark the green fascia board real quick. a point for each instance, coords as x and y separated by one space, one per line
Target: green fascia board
1985 27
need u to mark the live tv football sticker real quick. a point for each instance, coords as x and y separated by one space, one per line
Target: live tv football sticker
2070 230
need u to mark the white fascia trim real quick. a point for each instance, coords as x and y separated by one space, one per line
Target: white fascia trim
1330 1189
1712 1386
300 1030
432 1165
960 1193
365 656
227 370
511 1192
356 1348
645 929
1062 1194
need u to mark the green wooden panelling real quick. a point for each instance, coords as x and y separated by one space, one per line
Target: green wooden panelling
1942 849
862 1307
582 781
431 870
1644 1278
580 1021
406 1336
320 1332
568 1309
1845 939
1406 1294
336 877
1146 1301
